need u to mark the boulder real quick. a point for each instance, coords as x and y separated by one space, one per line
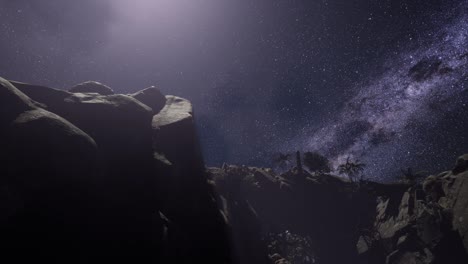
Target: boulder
398 257
461 165
92 87
12 102
430 224
459 197
43 143
151 97
45 95
31 134
188 199
82 178
47 166
174 129
120 124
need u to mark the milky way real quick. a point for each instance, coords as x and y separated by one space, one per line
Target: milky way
421 91
380 81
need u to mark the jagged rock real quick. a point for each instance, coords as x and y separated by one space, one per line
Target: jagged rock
54 138
132 186
362 245
12 102
459 197
47 165
42 94
275 257
101 200
151 97
174 129
432 186
429 225
191 200
461 164
398 257
115 122
120 124
282 261
92 87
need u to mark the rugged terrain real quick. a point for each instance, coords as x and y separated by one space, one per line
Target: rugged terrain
90 176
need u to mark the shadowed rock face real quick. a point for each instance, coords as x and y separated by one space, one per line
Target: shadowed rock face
174 137
45 165
174 129
151 97
88 182
428 226
120 124
92 87
324 210
13 102
298 217
104 178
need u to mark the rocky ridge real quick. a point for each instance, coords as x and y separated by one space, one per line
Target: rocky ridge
90 176
98 176
298 217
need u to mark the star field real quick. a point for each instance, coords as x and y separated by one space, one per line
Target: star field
381 81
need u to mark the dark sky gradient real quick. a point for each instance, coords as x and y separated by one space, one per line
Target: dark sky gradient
264 75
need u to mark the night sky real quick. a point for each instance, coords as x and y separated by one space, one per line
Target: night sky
381 81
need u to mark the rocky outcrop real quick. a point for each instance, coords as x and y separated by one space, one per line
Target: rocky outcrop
116 122
188 200
85 174
302 218
298 217
92 87
45 165
88 176
151 97
427 225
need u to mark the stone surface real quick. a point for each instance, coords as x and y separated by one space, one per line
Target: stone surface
12 102
47 166
92 87
429 225
88 182
151 97
459 197
193 205
115 122
461 164
174 129
105 178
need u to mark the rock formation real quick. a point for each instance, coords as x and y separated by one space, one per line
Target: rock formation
89 176
309 221
427 225
92 87
152 97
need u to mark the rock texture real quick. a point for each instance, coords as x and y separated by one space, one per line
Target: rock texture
302 218
89 176
190 200
426 226
152 97
297 217
92 87
45 163
85 178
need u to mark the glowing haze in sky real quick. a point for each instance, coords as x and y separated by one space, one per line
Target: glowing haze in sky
381 81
